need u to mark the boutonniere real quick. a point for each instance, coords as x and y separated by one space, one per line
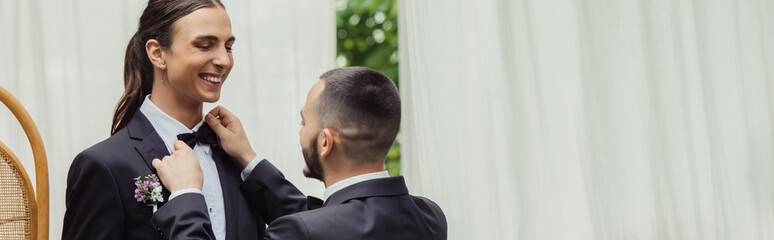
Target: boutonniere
148 191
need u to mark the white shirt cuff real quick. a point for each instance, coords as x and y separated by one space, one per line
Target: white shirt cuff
183 191
249 168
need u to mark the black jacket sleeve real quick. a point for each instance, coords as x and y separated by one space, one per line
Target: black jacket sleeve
184 217
289 227
268 191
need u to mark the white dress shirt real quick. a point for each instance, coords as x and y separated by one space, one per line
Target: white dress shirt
333 188
168 128
352 181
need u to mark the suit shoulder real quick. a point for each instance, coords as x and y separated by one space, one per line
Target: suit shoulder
426 202
118 140
306 216
110 155
291 226
433 214
105 150
96 157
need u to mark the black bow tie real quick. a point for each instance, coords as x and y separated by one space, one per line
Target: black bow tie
204 135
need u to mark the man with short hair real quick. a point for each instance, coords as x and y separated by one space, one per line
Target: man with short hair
349 121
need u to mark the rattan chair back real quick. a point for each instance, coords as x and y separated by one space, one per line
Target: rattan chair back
17 199
23 211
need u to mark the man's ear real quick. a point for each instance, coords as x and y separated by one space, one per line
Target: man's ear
155 54
327 143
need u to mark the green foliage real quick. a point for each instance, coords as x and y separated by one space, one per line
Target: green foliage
367 34
392 163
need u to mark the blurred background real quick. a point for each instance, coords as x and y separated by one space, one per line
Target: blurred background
522 119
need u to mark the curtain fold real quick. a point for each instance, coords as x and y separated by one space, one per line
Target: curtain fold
591 119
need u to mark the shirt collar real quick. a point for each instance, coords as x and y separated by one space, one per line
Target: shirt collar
351 181
166 126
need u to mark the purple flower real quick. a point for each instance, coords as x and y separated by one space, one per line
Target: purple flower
138 195
149 190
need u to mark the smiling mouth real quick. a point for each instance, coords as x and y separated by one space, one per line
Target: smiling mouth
209 78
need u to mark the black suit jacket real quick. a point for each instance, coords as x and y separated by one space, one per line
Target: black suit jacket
100 189
373 209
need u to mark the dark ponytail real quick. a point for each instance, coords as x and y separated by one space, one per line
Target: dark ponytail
155 23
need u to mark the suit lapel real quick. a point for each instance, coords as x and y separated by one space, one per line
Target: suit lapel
151 146
149 150
229 182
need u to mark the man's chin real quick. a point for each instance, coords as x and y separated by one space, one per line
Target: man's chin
309 174
212 97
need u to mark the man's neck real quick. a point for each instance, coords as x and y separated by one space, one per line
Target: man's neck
186 112
336 176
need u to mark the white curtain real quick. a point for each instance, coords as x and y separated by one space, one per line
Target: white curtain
63 59
565 119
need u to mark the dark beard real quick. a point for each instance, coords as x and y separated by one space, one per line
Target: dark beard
313 164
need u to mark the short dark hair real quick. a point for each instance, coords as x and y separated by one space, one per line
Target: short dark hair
363 106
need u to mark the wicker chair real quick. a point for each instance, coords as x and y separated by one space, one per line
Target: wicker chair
22 214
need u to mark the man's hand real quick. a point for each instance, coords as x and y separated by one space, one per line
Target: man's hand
180 170
231 135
